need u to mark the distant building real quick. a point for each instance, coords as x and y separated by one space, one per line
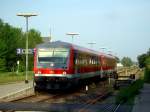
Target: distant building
119 65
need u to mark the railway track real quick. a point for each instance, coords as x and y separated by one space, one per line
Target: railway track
78 93
92 101
35 99
41 97
83 107
82 100
78 98
111 108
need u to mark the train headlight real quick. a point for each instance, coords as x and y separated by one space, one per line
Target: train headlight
52 64
64 73
39 72
51 72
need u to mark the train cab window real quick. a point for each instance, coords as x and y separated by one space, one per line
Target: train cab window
53 57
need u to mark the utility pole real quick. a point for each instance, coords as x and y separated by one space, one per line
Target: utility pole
26 15
50 38
72 35
91 44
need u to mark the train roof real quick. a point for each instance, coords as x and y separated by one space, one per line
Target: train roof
69 45
54 44
66 45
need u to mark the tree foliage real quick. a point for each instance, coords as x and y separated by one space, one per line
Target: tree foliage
147 70
9 41
142 59
147 62
126 61
34 39
117 59
12 38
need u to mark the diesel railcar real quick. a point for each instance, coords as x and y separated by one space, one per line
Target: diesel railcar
60 65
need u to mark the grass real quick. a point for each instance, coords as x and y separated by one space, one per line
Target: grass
127 94
10 77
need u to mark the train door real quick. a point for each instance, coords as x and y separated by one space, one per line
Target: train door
101 67
98 63
76 62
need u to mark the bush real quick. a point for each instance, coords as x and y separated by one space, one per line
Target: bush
147 70
129 92
147 75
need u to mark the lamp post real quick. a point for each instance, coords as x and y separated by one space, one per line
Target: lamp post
109 52
91 43
103 49
26 15
72 35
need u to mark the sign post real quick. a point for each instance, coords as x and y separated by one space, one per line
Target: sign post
17 67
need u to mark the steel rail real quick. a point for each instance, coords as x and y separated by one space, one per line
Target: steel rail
93 101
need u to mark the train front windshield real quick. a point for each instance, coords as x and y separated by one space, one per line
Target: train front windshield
52 57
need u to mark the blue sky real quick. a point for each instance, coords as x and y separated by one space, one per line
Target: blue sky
121 26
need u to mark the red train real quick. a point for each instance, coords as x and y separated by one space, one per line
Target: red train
59 65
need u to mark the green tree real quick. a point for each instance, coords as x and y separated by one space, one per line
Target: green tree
12 38
147 62
147 70
142 58
118 60
34 38
9 39
2 64
144 62
126 61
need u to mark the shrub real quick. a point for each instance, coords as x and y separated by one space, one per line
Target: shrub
147 75
125 94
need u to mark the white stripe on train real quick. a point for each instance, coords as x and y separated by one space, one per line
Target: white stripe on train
79 75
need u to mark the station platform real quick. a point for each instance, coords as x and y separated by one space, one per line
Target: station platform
142 101
14 90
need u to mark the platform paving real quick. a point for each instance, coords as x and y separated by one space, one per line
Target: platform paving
142 101
8 89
